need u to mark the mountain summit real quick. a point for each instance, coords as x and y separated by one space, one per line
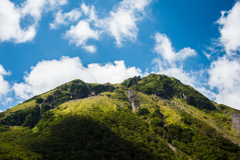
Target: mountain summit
155 117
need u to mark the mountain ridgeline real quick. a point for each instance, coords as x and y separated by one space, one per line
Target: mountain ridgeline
155 117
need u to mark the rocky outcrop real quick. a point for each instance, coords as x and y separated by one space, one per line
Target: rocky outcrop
76 90
169 92
236 122
201 104
131 98
131 81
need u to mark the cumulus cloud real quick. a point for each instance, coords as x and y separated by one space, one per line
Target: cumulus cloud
3 71
10 28
12 15
4 85
1 111
176 72
65 18
229 29
191 78
224 75
167 64
80 33
163 46
171 64
224 72
47 75
120 24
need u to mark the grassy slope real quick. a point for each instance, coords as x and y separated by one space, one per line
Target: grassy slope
111 101
54 133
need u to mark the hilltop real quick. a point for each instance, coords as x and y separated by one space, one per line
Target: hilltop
155 117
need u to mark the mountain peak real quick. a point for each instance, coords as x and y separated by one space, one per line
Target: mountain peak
158 115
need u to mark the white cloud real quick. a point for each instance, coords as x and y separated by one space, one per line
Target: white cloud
65 18
176 72
12 15
206 92
85 8
4 85
191 78
3 71
90 12
7 101
212 51
169 64
224 75
10 28
229 29
1 111
122 22
224 72
90 48
47 75
207 55
164 47
80 33
36 7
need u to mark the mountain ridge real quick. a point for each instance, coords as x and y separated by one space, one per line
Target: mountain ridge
167 109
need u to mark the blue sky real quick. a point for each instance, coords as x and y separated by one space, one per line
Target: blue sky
45 43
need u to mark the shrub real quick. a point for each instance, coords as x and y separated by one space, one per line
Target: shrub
44 108
39 100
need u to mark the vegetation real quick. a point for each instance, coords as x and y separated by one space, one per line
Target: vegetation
97 121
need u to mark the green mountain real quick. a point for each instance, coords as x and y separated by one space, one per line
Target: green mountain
156 117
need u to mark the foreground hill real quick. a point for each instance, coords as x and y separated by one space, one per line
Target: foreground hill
156 117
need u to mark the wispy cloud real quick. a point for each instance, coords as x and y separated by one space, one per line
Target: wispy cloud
7 101
65 18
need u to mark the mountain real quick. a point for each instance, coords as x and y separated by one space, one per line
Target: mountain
156 117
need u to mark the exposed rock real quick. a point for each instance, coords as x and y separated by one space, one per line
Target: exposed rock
169 92
131 81
236 122
109 87
131 99
206 104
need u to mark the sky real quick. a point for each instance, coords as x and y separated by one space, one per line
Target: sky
45 43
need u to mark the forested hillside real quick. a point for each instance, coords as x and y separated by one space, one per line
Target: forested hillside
156 117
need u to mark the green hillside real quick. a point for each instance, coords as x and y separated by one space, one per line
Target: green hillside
156 117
